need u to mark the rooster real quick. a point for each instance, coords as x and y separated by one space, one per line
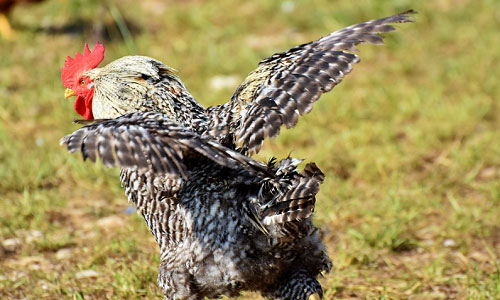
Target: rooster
224 222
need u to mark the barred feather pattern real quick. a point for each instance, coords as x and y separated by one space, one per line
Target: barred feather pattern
286 85
207 206
209 245
149 140
224 222
294 198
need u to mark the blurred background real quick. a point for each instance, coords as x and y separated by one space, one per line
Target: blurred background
409 143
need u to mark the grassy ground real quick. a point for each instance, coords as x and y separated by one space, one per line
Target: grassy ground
409 143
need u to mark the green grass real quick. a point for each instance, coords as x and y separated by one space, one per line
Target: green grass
409 143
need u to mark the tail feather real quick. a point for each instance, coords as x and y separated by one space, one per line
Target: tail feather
297 203
312 170
290 210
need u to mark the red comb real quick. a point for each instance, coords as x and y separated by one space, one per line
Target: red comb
73 67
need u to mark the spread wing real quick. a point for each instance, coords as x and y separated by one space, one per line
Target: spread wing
286 84
151 141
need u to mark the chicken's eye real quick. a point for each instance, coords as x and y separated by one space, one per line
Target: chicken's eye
82 82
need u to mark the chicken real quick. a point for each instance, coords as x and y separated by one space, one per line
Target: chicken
224 222
5 8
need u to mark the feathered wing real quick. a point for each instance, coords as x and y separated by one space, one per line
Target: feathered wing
286 84
151 141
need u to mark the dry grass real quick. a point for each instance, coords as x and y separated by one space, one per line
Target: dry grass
409 143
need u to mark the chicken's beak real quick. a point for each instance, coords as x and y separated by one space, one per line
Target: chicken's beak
69 93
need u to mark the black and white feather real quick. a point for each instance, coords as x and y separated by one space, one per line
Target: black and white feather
224 222
286 85
150 141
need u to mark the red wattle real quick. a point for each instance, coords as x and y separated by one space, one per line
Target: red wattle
88 105
83 106
80 105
